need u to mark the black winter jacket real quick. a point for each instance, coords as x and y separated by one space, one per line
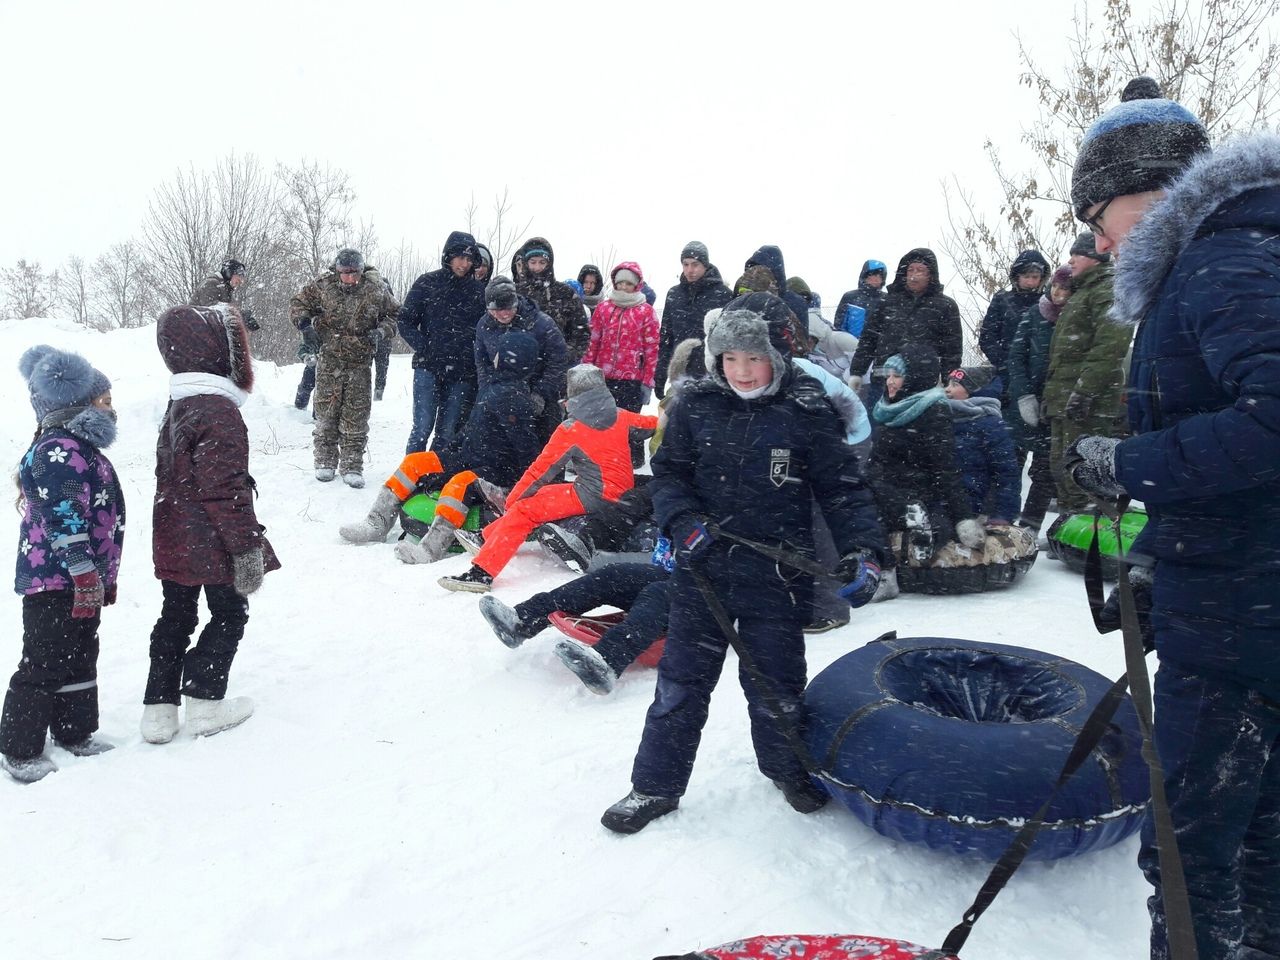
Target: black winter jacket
683 311
903 318
548 378
439 316
755 467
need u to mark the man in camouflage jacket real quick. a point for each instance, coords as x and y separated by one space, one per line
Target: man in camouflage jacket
1084 388
351 313
224 287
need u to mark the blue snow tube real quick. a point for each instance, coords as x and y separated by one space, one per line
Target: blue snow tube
954 744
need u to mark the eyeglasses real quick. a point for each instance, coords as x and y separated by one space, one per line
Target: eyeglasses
1094 223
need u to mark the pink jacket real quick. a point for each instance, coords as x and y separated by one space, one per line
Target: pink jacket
624 342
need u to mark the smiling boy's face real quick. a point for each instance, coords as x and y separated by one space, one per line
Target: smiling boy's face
746 371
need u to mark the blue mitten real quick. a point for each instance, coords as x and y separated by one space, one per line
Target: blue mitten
862 575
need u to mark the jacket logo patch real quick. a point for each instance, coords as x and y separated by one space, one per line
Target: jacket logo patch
779 465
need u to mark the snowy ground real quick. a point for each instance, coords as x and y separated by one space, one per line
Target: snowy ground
409 787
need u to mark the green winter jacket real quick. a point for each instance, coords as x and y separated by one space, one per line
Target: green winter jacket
1088 349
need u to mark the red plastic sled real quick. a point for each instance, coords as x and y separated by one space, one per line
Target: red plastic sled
803 947
589 628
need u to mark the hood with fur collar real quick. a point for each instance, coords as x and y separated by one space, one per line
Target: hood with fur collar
209 340
1155 243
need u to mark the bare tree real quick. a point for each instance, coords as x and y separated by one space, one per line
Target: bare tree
75 291
29 291
247 211
401 266
121 288
1211 55
502 234
315 213
181 234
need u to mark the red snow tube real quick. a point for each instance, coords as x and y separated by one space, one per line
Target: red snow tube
590 628
803 947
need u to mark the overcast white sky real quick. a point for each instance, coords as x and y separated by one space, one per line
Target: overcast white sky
825 128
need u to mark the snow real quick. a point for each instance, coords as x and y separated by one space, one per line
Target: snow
409 787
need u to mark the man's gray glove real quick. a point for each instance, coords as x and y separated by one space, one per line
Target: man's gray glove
1078 407
971 533
539 403
1029 410
247 571
1091 463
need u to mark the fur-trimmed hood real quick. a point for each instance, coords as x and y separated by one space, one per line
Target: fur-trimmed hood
206 340
1150 250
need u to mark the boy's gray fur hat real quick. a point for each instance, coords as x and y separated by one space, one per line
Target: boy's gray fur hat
754 323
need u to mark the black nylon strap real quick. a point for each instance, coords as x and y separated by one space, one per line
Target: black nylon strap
1173 881
1091 733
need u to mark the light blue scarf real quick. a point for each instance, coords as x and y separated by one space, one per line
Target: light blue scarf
902 412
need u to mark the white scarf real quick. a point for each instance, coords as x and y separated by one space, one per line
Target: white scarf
634 298
182 385
751 394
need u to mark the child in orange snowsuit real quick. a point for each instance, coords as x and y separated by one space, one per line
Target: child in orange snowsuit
594 443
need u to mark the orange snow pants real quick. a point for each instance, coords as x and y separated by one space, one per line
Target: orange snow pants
503 537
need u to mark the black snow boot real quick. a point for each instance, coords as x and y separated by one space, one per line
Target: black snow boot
804 795
573 549
636 811
590 667
474 580
505 621
28 770
88 747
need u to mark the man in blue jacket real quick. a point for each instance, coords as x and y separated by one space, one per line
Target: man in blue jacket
1197 236
438 320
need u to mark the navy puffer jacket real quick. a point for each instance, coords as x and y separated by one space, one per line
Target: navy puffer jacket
1200 276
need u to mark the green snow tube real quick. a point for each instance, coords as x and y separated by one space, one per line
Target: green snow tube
418 511
1070 536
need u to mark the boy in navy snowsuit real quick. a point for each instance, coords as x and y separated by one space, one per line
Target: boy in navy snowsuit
744 454
984 445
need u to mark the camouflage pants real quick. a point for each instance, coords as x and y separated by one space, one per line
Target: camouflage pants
343 399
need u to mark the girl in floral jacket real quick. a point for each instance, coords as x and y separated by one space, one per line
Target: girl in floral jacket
68 560
624 344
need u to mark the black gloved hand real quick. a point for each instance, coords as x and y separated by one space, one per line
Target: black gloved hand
311 339
250 320
1091 463
1141 580
1078 407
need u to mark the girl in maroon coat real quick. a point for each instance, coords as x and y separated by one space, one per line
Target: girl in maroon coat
205 534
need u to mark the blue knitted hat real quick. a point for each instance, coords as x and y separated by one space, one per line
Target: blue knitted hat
1141 144
58 380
